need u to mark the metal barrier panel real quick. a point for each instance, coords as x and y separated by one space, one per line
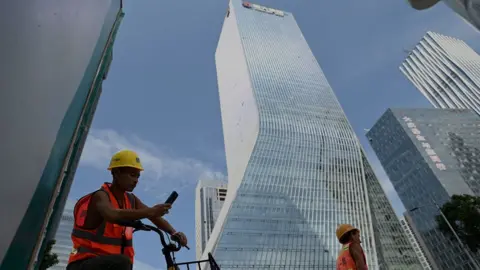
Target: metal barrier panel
51 53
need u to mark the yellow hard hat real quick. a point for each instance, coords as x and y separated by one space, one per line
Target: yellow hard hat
343 229
125 158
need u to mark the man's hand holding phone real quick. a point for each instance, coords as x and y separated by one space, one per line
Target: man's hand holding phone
160 210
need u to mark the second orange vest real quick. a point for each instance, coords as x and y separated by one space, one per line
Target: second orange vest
345 260
108 238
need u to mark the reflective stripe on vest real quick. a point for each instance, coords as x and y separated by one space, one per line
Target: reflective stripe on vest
108 238
99 238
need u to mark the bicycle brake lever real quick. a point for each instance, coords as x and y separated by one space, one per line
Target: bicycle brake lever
146 228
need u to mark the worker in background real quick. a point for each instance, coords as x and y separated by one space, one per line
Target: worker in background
98 242
351 256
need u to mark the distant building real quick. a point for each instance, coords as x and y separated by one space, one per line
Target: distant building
445 71
63 245
209 198
430 155
415 243
467 9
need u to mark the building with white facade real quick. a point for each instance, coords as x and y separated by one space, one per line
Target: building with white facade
209 198
416 246
446 71
63 245
467 9
296 169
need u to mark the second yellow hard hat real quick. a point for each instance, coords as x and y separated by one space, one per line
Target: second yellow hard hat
343 229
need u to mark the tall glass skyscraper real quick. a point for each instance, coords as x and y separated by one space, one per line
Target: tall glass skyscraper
430 155
445 70
296 169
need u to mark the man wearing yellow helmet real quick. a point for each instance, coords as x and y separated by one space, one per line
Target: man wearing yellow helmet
98 242
351 256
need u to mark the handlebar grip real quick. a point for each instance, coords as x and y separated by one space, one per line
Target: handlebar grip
177 239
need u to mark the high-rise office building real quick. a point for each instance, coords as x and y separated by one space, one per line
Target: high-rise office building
445 70
63 245
468 9
209 198
416 246
296 169
430 155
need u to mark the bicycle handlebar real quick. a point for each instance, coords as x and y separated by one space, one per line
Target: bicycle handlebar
138 225
170 248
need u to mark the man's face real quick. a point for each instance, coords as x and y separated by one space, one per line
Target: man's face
127 178
356 236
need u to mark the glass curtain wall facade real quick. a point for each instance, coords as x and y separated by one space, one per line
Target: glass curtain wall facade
445 71
294 163
416 246
393 248
430 155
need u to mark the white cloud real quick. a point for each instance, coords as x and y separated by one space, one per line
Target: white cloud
138 265
162 172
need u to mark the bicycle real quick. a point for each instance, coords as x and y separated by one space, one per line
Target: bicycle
169 249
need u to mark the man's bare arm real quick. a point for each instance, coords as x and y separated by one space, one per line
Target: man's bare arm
105 209
357 255
160 222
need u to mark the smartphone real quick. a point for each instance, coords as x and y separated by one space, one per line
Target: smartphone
171 199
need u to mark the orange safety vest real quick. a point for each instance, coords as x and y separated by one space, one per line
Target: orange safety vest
108 238
345 260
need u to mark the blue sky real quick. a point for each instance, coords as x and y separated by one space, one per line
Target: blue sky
161 95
